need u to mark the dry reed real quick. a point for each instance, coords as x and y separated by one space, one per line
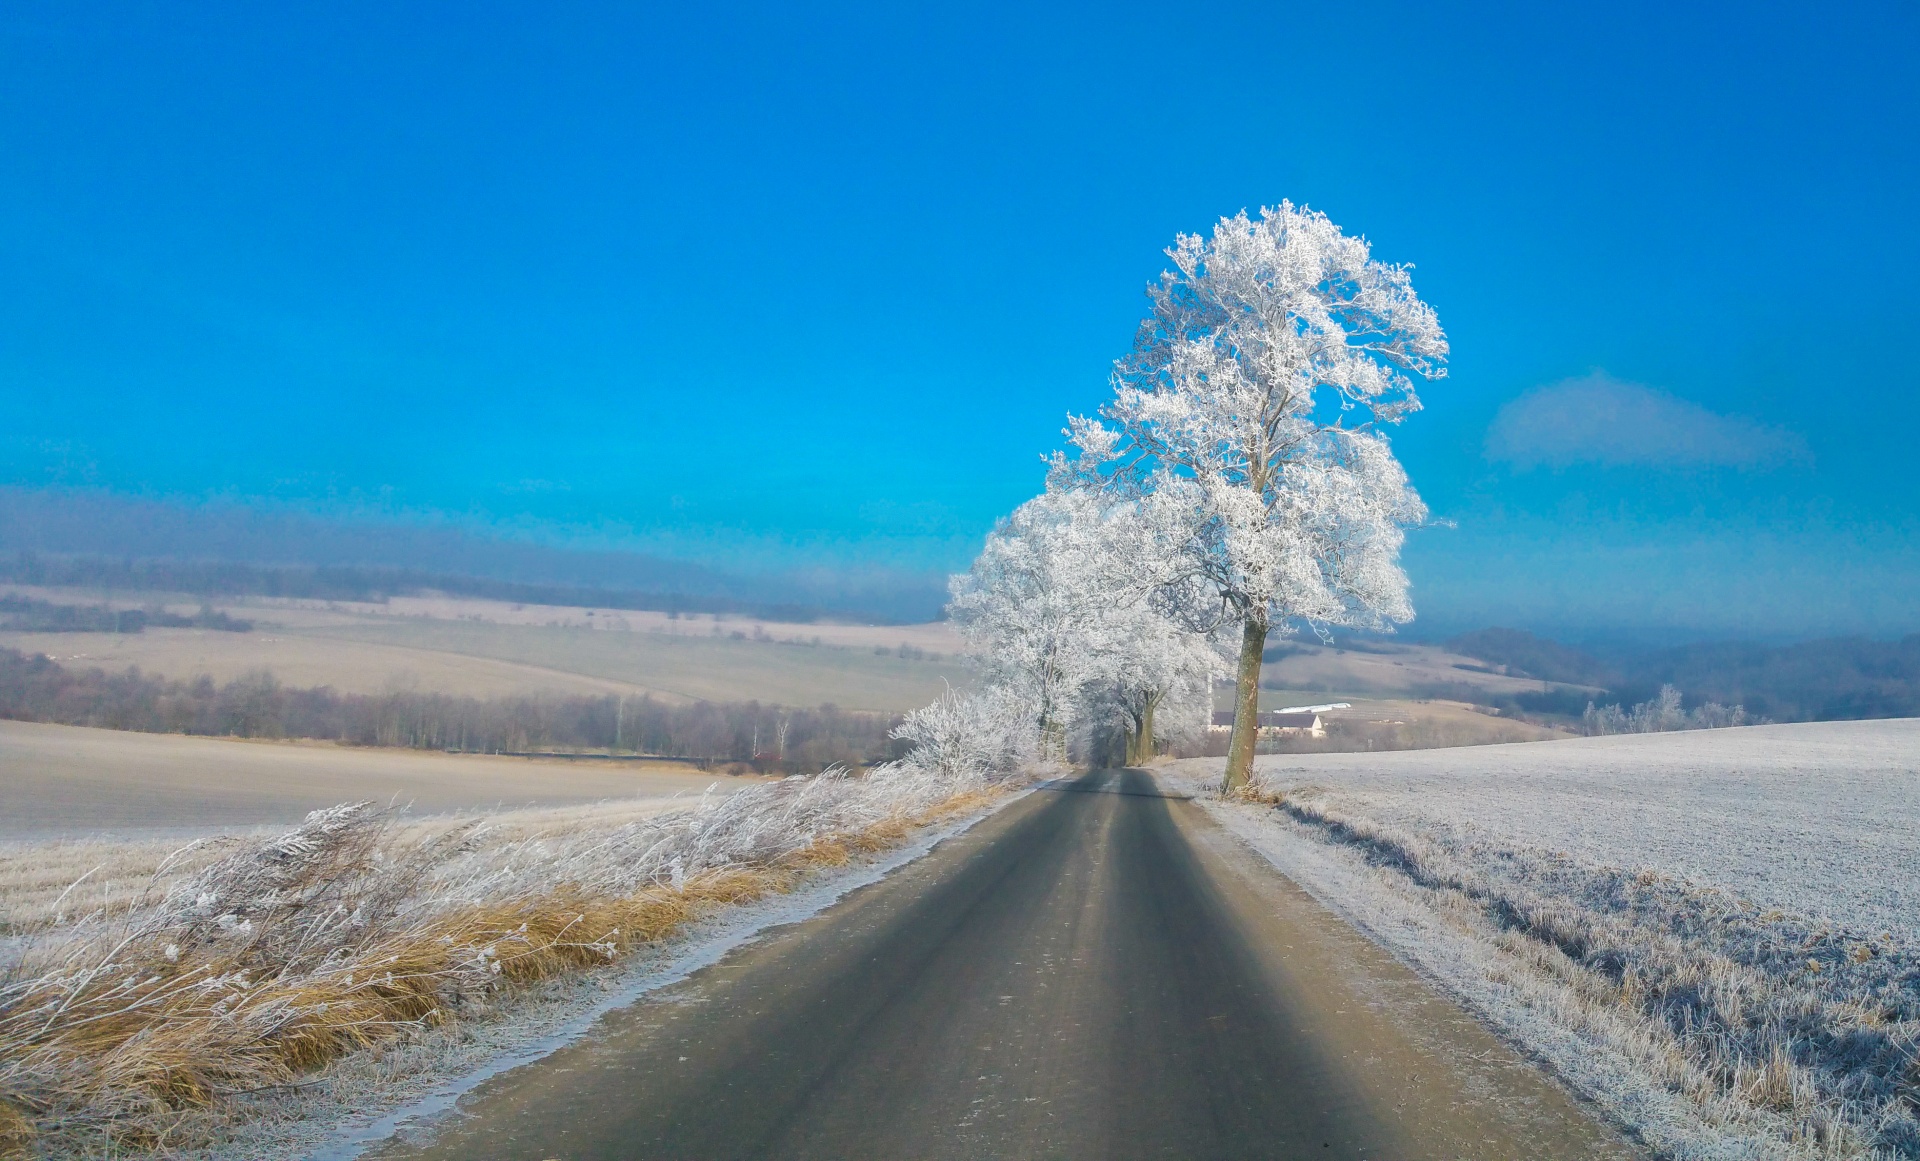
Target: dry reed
280 957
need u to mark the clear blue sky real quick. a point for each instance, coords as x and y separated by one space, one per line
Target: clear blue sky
800 285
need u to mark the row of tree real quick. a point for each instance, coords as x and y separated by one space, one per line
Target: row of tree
23 614
1826 680
1238 485
34 688
1659 714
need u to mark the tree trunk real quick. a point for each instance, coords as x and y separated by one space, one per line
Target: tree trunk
1053 740
1246 705
1140 741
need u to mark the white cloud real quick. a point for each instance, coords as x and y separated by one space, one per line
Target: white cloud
1600 420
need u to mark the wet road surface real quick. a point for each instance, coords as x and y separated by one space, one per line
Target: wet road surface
1097 971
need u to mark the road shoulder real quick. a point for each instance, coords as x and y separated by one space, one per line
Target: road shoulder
1453 1083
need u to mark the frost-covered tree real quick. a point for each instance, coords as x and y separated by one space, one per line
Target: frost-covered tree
1057 608
1665 711
1138 669
1146 677
1248 411
1024 606
963 736
1141 670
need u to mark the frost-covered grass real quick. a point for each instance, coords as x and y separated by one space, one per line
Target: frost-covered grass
1716 935
129 1016
1818 818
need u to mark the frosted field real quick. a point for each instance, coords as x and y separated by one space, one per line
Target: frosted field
1713 935
74 782
494 649
1822 818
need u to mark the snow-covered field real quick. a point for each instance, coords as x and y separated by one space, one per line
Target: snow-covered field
1714 934
1819 817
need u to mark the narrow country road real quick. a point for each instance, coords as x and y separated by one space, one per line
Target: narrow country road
1097 971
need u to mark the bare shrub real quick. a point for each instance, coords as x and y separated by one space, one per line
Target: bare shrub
989 732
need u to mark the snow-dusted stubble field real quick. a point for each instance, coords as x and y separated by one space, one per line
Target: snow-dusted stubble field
1714 934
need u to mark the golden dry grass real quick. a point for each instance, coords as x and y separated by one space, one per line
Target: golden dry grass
115 1038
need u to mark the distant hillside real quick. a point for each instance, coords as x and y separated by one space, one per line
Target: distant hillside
1831 680
1835 679
344 583
773 738
234 549
1525 655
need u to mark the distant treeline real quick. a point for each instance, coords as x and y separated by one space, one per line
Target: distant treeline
36 689
29 615
1663 714
338 583
1831 680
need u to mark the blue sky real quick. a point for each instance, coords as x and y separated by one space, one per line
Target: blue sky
801 286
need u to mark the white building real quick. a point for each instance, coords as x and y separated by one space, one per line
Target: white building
1276 725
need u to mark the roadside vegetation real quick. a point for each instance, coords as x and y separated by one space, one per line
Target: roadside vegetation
1237 486
1760 1004
138 1023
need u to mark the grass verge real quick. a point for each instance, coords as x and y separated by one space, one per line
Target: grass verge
122 1029
1785 1035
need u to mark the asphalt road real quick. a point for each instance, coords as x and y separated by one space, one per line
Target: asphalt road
1097 971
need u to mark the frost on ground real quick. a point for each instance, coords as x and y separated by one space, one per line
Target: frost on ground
1714 935
405 1089
154 1017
